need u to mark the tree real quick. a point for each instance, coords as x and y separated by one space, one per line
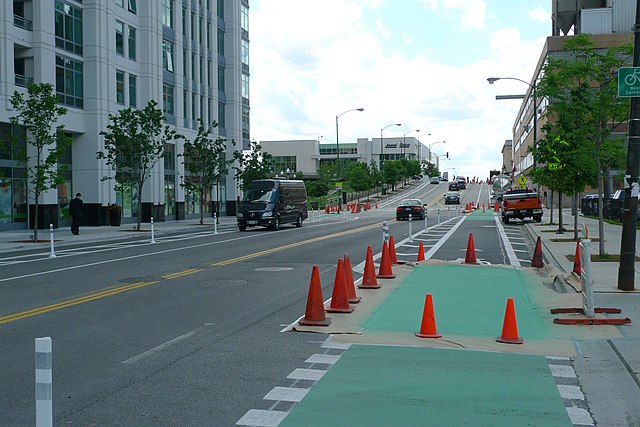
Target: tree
430 169
133 144
358 177
391 172
205 163
252 165
37 114
583 89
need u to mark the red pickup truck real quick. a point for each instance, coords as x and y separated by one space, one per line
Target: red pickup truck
521 203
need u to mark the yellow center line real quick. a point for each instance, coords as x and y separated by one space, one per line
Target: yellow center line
291 245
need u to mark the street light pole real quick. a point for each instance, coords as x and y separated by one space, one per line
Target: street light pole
492 80
404 141
338 141
382 150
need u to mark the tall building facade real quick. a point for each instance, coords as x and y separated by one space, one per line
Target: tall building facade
191 56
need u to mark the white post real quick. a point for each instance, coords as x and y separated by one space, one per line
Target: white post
153 240
53 253
215 224
385 232
438 216
44 383
410 229
449 212
425 221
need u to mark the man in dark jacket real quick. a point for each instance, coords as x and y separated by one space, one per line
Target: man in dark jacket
76 210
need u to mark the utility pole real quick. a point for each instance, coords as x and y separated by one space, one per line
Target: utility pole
626 270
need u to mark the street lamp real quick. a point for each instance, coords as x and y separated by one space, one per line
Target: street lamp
337 140
492 80
382 149
404 140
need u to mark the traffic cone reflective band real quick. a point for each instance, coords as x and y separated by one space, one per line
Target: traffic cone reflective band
385 272
428 325
510 326
369 280
470 257
339 297
577 267
392 251
536 261
348 275
421 252
314 315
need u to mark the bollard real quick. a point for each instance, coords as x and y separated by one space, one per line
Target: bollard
438 216
53 253
215 224
410 230
449 212
425 222
385 232
153 240
44 386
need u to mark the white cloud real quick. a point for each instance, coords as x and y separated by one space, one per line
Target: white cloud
539 14
474 12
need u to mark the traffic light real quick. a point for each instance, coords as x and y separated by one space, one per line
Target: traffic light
447 154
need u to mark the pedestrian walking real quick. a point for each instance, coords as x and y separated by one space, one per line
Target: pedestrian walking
76 210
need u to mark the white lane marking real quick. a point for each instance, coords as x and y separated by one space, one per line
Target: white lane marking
335 345
306 374
562 371
326 359
513 259
579 416
160 347
446 237
287 394
570 392
262 418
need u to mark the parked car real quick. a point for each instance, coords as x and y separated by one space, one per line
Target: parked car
413 207
271 202
435 180
453 186
452 198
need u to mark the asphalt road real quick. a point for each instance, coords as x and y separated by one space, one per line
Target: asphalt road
186 331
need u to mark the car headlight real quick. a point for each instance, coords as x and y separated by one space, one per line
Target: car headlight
267 214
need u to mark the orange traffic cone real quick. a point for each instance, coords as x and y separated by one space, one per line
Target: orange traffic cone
385 272
428 325
392 251
348 275
577 267
339 297
421 253
496 207
510 326
536 261
369 280
470 257
483 207
314 314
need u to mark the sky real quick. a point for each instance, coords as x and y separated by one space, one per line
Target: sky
421 63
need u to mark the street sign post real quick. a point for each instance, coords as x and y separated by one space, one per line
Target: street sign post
628 82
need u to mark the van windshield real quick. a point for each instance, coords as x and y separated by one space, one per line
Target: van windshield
260 192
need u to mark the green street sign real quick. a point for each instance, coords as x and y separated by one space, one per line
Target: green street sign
629 82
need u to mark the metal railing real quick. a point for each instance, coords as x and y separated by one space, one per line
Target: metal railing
23 81
22 22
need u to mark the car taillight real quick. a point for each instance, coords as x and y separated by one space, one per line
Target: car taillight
415 208
398 208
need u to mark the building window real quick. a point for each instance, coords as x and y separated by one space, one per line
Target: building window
185 103
221 116
119 38
132 6
120 3
221 78
201 107
69 84
133 91
220 42
184 20
167 55
193 25
68 27
244 17
193 66
245 52
167 13
202 70
220 8
194 113
245 86
209 73
201 31
132 43
120 87
167 99
185 62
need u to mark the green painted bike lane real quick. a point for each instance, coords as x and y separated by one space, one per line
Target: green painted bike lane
384 385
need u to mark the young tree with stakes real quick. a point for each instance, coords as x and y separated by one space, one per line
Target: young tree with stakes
38 113
205 163
133 144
